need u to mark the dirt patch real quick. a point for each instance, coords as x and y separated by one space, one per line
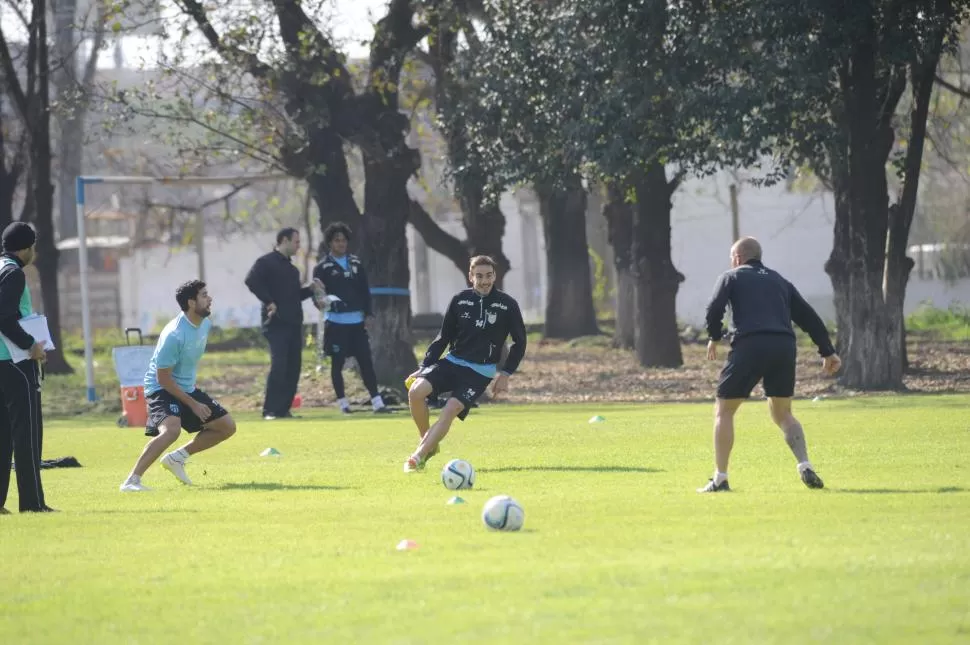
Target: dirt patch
589 370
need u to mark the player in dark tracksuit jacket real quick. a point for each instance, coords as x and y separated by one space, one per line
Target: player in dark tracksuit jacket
21 417
276 282
344 330
477 324
763 306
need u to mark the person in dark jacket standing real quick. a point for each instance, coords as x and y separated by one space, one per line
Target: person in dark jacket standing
276 282
476 325
344 329
21 421
763 306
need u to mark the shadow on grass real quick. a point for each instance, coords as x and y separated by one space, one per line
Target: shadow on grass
900 491
571 469
129 511
276 486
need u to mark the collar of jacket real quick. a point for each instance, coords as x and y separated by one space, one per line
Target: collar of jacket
13 257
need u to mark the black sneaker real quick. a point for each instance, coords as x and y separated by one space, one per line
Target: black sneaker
346 411
384 410
715 488
810 479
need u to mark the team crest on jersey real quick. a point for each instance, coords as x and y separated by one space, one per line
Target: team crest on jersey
492 317
174 408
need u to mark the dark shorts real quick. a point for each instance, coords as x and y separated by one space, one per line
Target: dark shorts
345 340
162 405
463 383
769 358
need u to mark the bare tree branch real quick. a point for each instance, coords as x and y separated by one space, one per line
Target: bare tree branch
675 182
436 237
959 91
235 55
19 13
236 189
15 89
259 154
91 67
295 29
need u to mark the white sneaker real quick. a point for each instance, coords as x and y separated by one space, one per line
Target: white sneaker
133 487
176 467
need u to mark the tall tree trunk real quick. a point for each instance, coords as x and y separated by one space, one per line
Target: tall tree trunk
384 250
484 224
569 304
657 339
899 266
69 115
389 163
73 90
482 218
43 190
837 265
70 146
330 187
618 212
11 166
8 188
872 360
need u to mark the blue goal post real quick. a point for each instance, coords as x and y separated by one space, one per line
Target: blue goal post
81 182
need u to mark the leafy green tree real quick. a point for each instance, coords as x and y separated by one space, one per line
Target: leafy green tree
453 36
606 89
826 78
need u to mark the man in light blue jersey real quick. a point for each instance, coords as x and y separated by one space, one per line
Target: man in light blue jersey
174 401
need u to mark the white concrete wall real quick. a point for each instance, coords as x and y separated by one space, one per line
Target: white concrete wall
149 279
795 229
524 245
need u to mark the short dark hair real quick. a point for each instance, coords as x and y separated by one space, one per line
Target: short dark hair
482 260
286 234
188 291
331 232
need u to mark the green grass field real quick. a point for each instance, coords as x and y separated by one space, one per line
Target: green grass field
617 547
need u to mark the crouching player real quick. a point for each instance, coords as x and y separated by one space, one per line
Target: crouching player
174 402
475 328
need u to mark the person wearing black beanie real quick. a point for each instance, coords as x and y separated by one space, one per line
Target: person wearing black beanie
21 422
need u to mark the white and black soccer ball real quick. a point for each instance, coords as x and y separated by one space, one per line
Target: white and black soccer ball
458 474
502 513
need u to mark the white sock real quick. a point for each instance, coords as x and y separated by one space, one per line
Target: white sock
377 402
805 465
719 477
343 403
133 479
180 455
